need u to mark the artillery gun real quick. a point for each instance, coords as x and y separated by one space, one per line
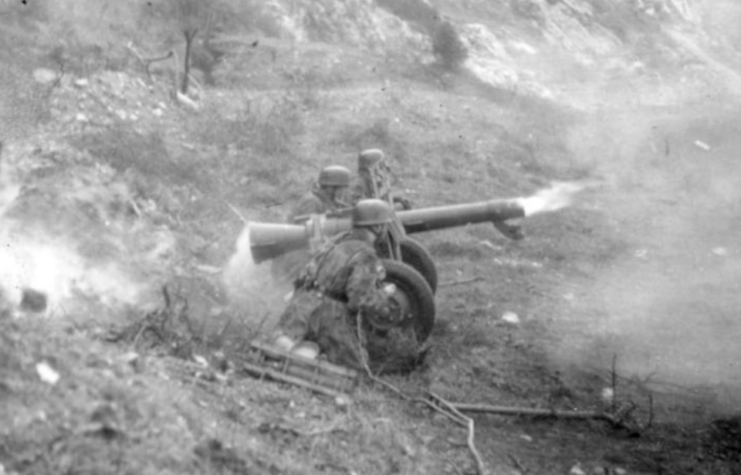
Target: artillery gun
408 264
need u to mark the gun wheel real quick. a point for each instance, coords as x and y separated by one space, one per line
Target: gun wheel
414 254
401 348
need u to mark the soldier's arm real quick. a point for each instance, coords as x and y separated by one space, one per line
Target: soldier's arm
362 285
308 205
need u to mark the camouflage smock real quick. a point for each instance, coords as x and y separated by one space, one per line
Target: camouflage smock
336 285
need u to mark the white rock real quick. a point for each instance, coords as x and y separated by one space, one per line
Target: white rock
577 470
702 145
47 374
511 317
607 395
201 360
44 76
342 400
82 82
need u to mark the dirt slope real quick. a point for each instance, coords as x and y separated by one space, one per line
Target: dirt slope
124 207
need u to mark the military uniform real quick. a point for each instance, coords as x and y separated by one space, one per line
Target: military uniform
328 194
341 281
317 201
374 180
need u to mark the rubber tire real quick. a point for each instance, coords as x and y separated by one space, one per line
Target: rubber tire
417 291
415 255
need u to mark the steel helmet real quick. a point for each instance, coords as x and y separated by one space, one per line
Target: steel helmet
371 212
334 175
369 158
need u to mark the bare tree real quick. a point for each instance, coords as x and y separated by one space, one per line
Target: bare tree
191 15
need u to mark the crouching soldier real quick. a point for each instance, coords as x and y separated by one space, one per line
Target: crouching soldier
374 180
329 193
341 288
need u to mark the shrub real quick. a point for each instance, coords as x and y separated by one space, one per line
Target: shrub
448 47
413 11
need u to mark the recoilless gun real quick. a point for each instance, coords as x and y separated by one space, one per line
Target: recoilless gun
408 264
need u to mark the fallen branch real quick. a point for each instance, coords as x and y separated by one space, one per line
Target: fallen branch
463 420
618 419
146 62
460 282
434 402
236 211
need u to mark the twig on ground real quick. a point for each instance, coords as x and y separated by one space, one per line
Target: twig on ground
434 402
460 282
518 465
468 422
618 419
236 211
146 62
366 367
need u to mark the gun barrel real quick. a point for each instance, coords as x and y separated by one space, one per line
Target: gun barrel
441 217
268 241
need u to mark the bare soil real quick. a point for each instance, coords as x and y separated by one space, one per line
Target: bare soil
632 288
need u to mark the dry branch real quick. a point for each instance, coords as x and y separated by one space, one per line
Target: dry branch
622 417
236 211
463 420
146 62
460 282
434 402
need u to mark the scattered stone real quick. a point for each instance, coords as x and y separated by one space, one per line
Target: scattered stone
208 269
44 75
511 317
342 400
487 243
702 145
133 359
80 117
577 470
47 374
607 395
201 360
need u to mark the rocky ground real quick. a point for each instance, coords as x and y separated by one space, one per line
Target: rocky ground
125 207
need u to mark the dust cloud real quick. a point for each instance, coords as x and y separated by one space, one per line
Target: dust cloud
71 242
669 308
665 148
252 286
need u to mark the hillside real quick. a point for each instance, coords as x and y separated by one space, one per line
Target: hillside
127 302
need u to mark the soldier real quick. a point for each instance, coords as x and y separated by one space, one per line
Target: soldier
374 180
329 193
340 284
